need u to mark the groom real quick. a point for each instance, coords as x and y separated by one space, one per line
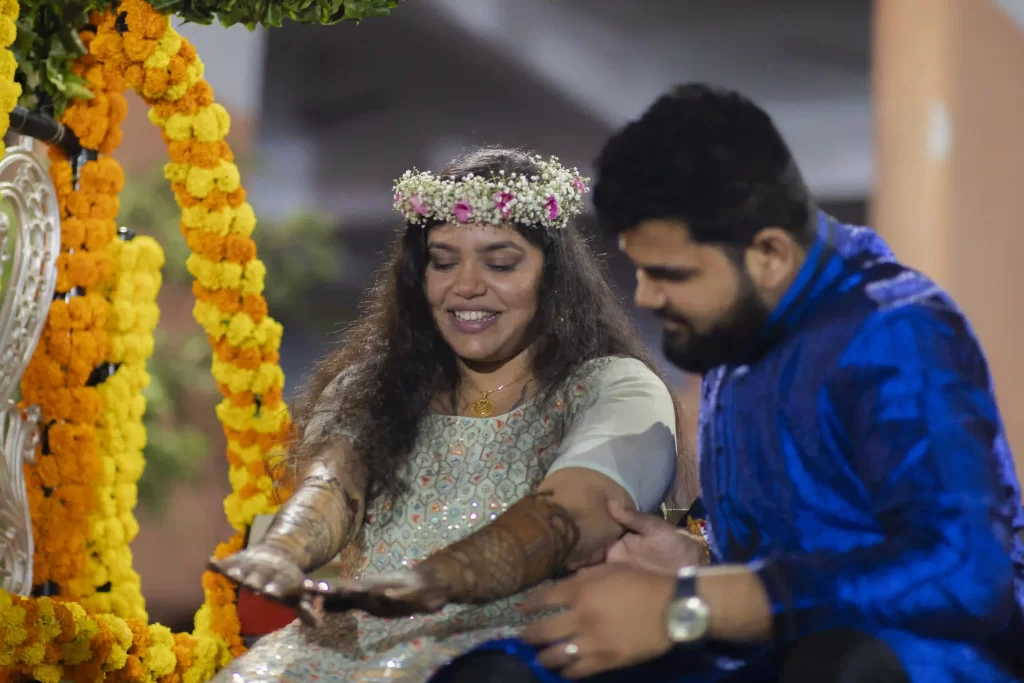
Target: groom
863 511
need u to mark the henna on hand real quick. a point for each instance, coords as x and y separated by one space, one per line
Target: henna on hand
529 543
324 513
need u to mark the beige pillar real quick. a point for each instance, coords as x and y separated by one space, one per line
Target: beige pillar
949 193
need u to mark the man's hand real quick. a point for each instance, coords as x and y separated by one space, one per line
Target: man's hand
653 544
614 617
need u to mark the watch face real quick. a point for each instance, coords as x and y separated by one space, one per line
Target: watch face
687 620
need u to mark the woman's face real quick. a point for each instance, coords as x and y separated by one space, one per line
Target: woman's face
481 283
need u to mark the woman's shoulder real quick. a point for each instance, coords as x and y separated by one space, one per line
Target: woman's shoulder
610 369
600 376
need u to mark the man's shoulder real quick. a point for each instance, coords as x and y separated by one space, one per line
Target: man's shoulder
911 320
874 273
883 292
884 309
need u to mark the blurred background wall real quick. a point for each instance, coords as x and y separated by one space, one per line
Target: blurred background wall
901 112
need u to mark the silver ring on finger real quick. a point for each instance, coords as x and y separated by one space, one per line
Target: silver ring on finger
571 649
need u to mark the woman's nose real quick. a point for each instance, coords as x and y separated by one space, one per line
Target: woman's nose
468 281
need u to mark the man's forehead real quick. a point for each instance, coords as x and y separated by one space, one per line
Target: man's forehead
662 240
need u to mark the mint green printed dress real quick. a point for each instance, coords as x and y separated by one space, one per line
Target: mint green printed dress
613 416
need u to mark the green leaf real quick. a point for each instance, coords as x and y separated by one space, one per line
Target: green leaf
76 87
46 45
273 13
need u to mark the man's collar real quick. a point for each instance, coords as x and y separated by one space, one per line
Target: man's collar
822 265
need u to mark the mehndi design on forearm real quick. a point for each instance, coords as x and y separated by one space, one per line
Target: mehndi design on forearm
531 542
323 514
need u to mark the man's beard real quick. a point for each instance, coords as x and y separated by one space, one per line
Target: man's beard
736 339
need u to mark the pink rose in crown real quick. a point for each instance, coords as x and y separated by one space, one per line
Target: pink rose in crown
398 197
579 185
462 210
502 201
552 206
418 205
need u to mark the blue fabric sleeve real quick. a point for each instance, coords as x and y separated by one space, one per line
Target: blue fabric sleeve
912 408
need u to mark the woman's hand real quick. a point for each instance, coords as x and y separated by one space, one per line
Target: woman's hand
390 595
653 544
266 570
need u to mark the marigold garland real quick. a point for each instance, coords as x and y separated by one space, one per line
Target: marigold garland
10 91
121 435
61 375
217 224
50 641
82 489
61 485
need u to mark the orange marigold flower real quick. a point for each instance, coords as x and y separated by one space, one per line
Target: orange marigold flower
134 75
240 249
155 82
143 20
72 234
256 306
137 47
177 69
234 459
248 359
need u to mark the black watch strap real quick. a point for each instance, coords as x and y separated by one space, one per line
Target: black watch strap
686 583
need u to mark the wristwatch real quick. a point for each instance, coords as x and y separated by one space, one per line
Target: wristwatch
687 617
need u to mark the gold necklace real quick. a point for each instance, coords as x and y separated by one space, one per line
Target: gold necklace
484 406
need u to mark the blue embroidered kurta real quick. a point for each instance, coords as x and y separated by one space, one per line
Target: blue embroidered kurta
861 465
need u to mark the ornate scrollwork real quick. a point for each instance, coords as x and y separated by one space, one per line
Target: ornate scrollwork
29 246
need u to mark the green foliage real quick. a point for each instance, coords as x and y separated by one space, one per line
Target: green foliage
46 45
251 13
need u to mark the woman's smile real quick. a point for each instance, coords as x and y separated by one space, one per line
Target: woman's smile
473 321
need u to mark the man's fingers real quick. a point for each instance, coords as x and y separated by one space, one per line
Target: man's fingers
584 667
560 655
554 596
555 629
634 521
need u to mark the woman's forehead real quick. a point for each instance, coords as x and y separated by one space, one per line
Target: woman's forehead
474 235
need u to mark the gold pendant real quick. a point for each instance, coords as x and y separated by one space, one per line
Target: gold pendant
483 407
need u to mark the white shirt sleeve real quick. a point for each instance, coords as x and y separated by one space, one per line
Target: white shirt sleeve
628 435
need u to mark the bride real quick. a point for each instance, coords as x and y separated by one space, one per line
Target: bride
463 442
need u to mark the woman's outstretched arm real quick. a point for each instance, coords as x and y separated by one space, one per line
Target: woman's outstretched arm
564 525
621 447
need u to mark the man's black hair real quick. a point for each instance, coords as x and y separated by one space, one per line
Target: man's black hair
709 157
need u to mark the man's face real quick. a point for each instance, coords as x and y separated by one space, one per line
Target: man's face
710 308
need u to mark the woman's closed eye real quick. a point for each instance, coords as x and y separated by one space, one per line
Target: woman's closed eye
503 266
442 266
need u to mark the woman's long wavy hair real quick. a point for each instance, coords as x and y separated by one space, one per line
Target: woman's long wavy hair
396 362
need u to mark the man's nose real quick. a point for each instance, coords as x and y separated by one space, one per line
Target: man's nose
648 295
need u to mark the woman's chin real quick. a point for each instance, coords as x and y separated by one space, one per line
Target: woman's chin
476 354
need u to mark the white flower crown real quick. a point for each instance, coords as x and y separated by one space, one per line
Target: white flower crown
546 199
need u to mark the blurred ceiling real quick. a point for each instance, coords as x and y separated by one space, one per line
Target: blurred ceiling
347 108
